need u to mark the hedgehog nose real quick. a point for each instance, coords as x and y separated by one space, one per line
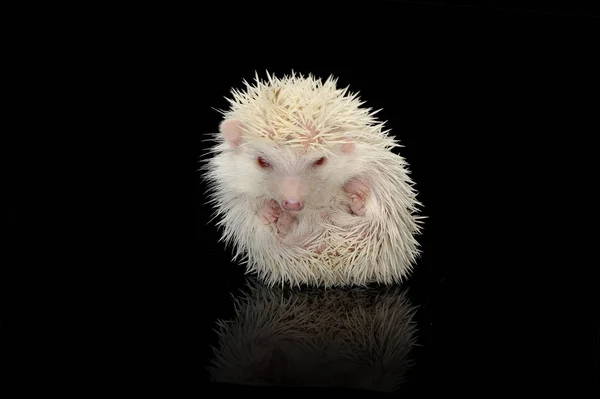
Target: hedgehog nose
293 204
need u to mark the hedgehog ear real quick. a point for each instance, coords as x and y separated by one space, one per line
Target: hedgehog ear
232 130
348 147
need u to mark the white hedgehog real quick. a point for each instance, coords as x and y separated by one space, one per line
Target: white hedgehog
355 337
307 189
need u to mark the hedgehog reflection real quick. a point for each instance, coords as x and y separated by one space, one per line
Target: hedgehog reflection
353 337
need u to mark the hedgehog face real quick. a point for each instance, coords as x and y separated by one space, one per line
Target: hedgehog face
297 178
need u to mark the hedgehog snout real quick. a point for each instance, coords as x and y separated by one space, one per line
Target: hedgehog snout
292 204
291 194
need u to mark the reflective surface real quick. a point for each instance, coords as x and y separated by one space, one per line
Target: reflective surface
351 338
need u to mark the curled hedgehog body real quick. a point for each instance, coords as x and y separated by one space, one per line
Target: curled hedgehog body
307 189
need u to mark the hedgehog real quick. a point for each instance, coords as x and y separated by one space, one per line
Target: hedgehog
352 337
308 188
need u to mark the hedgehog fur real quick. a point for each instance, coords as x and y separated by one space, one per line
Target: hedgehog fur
307 189
355 337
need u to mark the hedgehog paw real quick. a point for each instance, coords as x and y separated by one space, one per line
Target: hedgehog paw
357 205
358 191
285 223
269 212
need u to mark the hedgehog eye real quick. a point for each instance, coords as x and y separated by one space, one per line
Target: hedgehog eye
319 161
262 163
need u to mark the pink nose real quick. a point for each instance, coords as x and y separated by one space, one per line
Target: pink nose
293 205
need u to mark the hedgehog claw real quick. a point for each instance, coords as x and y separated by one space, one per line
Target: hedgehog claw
269 212
358 191
358 207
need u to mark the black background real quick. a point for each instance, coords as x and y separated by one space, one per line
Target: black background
495 107
482 99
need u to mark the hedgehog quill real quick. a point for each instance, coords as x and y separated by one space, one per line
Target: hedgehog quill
307 189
